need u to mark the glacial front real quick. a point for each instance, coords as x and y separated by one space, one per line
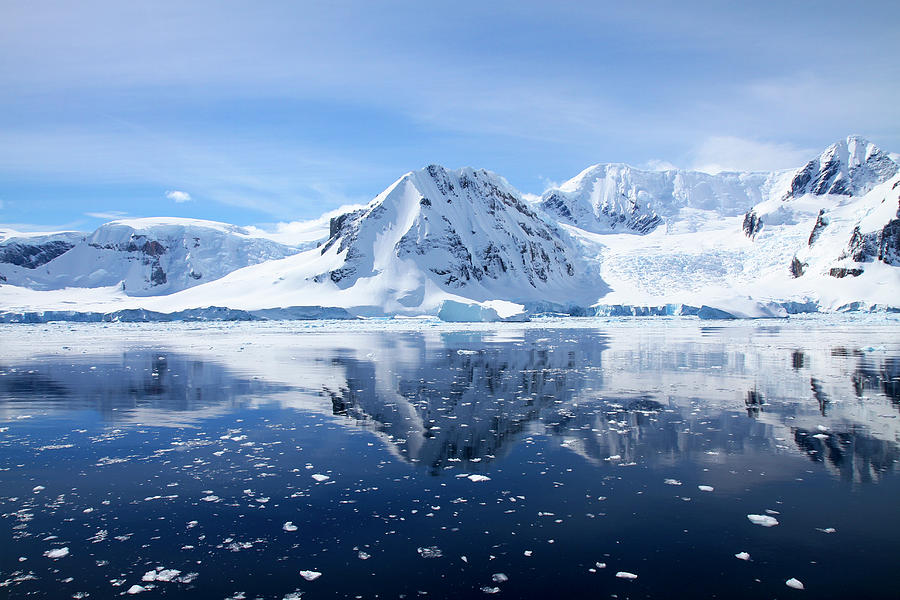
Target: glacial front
411 458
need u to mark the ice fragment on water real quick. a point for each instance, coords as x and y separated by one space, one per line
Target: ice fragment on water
705 488
477 478
319 477
499 577
742 555
626 575
490 590
289 526
430 552
136 589
794 583
764 520
57 553
310 575
672 482
826 530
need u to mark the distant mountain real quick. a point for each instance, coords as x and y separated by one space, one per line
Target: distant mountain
143 256
617 198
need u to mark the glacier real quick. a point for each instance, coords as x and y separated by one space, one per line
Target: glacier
612 241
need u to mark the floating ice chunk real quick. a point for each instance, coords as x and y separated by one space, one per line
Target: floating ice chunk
430 552
528 552
319 477
706 488
490 590
38 488
499 577
743 555
364 555
794 583
289 526
626 575
764 520
136 589
57 553
672 482
161 574
600 565
477 478
821 436
210 498
826 530
310 575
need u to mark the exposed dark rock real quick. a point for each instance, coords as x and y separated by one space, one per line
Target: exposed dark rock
841 272
32 256
797 267
752 224
821 223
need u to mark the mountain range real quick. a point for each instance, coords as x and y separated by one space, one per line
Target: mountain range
614 240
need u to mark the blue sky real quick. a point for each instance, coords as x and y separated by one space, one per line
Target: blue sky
277 111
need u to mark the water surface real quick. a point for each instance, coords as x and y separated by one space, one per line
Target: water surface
415 459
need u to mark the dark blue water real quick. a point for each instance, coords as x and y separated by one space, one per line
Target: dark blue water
531 463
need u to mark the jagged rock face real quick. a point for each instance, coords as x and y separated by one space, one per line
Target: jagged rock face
618 198
847 168
462 228
32 256
883 245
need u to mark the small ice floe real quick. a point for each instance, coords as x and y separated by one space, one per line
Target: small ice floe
161 574
135 589
319 477
821 436
430 552
490 590
826 530
613 457
363 555
57 553
464 558
310 575
38 488
499 577
672 482
706 488
822 428
794 583
763 520
626 575
528 552
289 526
477 478
600 565
210 498
743 555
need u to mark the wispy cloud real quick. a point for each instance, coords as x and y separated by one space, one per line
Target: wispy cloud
111 215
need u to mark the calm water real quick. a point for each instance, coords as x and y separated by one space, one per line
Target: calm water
399 461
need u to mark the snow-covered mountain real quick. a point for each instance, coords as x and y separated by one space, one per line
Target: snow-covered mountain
617 198
614 239
465 230
143 256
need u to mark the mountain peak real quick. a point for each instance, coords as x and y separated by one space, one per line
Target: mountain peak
848 167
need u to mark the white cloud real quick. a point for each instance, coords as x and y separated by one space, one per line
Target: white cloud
727 153
178 196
